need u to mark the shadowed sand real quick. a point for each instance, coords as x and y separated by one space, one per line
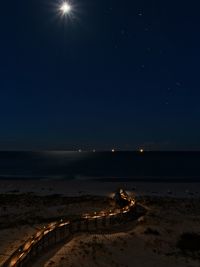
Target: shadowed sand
152 241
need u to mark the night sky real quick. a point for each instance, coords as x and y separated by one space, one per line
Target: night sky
121 74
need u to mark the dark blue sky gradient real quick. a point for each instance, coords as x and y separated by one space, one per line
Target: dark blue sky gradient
121 74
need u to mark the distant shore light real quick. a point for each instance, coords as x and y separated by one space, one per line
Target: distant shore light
141 150
113 150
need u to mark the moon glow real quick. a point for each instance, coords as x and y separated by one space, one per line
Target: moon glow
65 8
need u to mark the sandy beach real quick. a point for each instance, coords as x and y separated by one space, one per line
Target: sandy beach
98 188
155 240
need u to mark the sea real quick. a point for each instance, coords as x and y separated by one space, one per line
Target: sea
104 166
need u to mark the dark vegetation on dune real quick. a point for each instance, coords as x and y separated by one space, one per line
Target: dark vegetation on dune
189 242
150 231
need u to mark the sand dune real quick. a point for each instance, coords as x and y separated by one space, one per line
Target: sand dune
154 241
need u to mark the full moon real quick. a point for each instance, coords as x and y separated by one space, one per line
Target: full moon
65 8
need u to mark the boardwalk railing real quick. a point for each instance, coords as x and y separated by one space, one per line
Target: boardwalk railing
63 230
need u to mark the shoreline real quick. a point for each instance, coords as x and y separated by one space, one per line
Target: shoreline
137 179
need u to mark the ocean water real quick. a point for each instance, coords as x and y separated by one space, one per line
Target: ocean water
106 166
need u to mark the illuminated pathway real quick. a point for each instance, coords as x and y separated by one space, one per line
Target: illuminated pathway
62 230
